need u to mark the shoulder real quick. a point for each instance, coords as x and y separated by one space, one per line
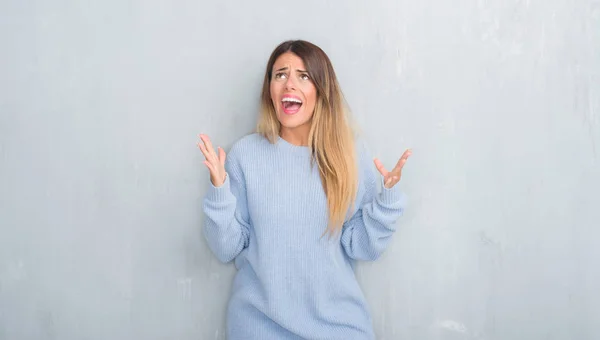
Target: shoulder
247 145
244 151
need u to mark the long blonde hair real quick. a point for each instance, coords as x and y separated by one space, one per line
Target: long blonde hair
331 136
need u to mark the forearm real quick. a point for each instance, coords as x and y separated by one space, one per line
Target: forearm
224 229
367 234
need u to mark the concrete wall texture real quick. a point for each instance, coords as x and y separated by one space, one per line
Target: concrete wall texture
101 181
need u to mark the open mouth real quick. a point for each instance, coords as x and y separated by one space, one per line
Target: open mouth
291 105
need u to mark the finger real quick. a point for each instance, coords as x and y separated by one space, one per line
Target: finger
380 167
210 167
203 149
210 159
399 165
222 156
205 152
391 181
209 145
403 159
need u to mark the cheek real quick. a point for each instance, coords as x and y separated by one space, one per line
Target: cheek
273 93
312 99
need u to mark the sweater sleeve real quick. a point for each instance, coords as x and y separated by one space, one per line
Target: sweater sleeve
367 233
227 223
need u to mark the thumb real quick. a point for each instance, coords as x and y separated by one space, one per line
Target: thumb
222 156
388 181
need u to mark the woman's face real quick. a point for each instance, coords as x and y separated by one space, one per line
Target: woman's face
293 93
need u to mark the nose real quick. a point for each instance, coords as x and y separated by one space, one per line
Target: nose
289 84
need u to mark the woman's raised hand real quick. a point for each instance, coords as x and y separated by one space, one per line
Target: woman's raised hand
214 162
390 178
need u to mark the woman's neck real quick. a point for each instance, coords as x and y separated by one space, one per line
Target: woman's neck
297 136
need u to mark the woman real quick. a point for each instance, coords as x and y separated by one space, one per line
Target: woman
295 204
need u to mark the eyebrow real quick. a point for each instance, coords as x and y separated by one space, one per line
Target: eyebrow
285 69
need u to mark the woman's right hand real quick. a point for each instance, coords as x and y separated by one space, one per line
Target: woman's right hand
215 163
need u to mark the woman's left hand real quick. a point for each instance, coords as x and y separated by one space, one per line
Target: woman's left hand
390 178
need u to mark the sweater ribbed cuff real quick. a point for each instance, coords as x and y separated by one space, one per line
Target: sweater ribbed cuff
393 195
221 193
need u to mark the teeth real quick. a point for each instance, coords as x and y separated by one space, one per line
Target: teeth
292 100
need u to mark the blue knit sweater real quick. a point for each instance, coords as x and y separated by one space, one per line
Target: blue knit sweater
269 216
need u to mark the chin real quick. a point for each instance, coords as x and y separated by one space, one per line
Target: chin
291 121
